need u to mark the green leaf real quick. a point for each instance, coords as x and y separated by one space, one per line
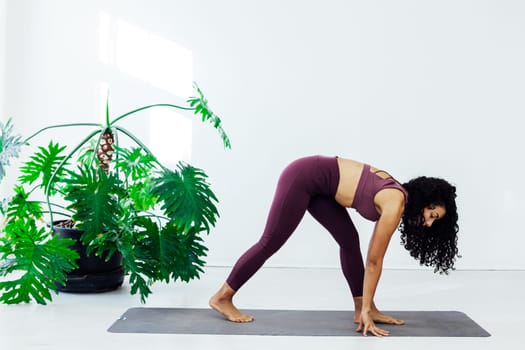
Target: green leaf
42 165
140 194
140 285
200 106
94 195
87 153
183 252
139 247
186 197
135 163
169 250
151 255
43 258
21 207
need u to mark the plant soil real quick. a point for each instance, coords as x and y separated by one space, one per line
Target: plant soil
66 224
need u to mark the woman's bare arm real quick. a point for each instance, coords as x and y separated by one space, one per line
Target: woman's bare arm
391 212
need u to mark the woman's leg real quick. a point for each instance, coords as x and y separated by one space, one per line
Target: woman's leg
288 208
336 220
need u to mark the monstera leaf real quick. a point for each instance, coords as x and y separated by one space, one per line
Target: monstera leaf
94 195
139 245
41 257
200 107
21 207
42 165
186 197
189 252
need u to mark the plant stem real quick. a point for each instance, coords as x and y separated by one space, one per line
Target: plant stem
59 126
57 213
142 145
55 205
150 214
151 106
107 110
60 166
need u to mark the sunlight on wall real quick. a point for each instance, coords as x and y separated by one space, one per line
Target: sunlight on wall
156 60
159 62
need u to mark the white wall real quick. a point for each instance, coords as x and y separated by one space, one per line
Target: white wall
3 20
414 87
3 36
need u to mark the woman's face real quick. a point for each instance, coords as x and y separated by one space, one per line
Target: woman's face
432 213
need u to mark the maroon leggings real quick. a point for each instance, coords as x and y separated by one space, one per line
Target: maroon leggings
306 184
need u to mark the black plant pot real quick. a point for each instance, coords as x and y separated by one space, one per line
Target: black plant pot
94 274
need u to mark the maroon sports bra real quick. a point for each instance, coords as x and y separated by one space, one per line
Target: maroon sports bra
369 184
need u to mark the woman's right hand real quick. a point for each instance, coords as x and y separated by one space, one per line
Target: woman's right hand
366 324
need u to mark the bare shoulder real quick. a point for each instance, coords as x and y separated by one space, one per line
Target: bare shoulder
390 201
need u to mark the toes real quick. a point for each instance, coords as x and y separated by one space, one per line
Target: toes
248 319
241 319
397 322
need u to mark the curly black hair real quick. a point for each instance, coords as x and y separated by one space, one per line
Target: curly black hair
436 245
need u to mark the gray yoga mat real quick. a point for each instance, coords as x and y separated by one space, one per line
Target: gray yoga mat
291 323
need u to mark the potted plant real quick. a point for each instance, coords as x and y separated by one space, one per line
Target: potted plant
126 205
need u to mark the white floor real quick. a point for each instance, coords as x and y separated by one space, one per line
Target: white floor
494 299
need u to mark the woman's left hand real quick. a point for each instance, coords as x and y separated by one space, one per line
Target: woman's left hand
366 324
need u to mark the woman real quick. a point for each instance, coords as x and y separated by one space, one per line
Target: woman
325 187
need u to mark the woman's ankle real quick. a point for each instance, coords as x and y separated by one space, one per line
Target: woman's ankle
225 292
358 303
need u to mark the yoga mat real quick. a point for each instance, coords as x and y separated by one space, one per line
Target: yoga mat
291 323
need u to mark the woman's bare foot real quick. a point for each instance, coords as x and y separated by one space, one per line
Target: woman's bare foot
222 302
380 317
377 315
